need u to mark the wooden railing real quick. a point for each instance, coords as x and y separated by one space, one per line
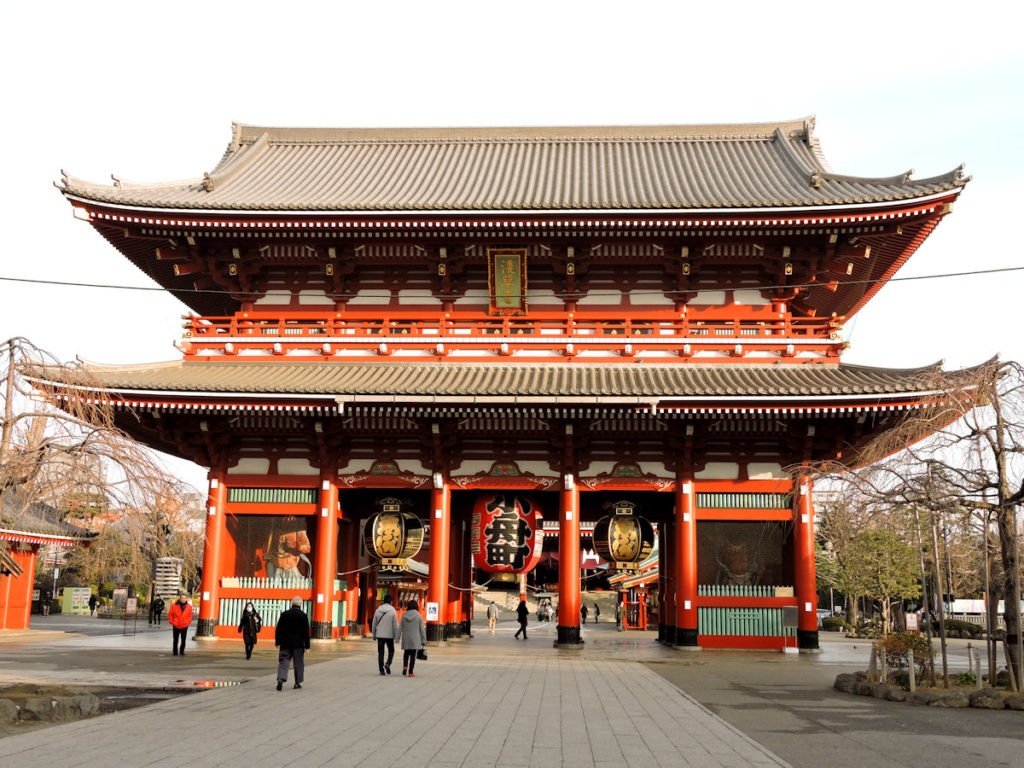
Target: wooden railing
736 331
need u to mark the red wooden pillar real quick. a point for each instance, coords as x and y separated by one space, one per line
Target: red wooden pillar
437 581
685 556
569 564
209 604
667 574
325 563
456 553
348 565
804 569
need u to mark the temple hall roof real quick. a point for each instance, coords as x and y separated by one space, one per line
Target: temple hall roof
18 514
398 380
699 167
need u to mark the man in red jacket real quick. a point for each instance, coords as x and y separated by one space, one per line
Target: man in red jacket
180 617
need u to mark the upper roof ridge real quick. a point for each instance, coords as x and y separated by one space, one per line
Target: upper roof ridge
244 134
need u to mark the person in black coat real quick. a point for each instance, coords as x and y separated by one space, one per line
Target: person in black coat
292 638
523 614
250 626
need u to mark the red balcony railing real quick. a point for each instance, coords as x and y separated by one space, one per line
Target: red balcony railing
748 332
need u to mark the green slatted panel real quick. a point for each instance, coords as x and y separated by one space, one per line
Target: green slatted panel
272 495
743 622
744 500
270 610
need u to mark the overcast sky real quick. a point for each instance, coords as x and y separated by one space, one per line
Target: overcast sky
147 91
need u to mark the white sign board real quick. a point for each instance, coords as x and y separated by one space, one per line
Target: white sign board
912 625
432 612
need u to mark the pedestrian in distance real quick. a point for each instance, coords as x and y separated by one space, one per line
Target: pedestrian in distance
179 617
523 614
583 613
292 639
492 615
597 612
156 610
412 634
92 604
384 628
45 598
250 626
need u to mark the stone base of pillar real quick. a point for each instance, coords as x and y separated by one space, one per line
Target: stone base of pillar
321 630
436 634
687 639
453 630
667 634
467 629
569 637
206 627
807 641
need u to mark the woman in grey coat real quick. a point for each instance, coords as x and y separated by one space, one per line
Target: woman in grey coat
412 634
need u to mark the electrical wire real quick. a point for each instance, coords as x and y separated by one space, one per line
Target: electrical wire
222 292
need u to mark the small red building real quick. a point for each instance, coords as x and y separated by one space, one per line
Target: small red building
26 528
588 316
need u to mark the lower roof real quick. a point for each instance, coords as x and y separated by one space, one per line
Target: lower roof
393 379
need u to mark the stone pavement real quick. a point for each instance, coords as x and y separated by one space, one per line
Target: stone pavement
500 703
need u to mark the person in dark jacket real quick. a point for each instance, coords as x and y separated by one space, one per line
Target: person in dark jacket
249 626
597 612
583 613
156 611
412 634
292 638
92 604
523 614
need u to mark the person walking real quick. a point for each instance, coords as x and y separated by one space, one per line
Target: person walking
384 628
492 615
45 598
412 634
597 613
180 616
292 638
523 614
250 627
583 612
156 611
92 604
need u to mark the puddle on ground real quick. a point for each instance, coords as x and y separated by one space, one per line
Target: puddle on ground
204 683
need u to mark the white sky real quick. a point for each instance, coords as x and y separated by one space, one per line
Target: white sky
147 91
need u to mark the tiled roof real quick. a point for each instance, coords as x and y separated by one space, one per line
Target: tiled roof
19 514
510 379
518 169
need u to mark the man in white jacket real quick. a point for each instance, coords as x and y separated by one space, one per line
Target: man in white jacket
384 628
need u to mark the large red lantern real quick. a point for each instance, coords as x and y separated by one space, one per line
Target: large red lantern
507 533
392 536
624 539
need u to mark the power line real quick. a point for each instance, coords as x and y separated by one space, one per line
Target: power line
222 292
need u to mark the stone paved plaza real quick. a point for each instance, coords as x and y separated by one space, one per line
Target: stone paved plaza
490 701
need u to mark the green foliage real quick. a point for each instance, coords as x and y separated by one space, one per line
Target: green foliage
881 567
901 678
834 624
965 628
897 657
966 679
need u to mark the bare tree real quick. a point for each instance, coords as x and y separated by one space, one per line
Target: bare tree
60 445
961 452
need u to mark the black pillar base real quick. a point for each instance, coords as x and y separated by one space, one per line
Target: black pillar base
686 637
206 627
668 636
453 630
807 639
321 630
435 633
568 637
467 629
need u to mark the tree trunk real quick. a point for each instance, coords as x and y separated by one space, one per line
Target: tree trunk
1006 524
